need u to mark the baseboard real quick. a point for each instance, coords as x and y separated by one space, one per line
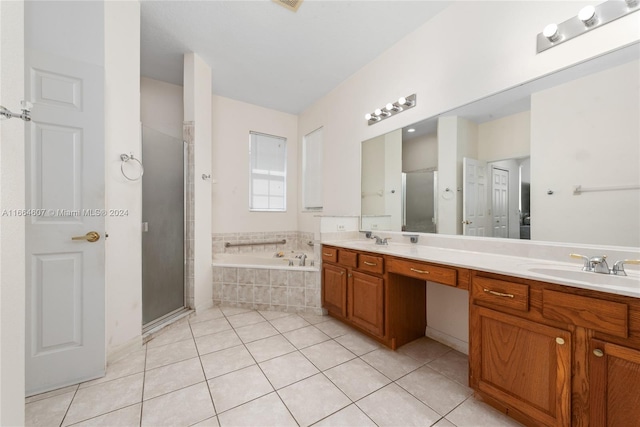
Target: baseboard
448 340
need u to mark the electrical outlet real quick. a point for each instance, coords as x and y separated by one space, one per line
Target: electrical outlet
341 227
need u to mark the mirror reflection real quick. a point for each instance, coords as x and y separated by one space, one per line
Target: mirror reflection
508 165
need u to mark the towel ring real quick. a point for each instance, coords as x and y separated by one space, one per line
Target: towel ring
125 158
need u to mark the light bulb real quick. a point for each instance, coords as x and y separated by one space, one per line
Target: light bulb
377 112
389 107
551 32
402 100
411 130
588 15
367 116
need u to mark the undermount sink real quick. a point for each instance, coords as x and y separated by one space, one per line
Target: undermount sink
632 280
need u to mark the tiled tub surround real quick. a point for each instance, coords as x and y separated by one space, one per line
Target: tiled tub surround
280 288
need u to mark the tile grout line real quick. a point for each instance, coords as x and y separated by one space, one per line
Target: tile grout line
70 403
144 375
265 375
215 412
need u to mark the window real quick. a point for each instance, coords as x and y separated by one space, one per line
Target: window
268 173
312 171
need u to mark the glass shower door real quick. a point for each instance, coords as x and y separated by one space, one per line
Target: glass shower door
163 239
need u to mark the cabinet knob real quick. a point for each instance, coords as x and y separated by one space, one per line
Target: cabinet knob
350 275
598 353
560 340
342 273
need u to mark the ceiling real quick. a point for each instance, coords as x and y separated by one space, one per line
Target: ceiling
264 54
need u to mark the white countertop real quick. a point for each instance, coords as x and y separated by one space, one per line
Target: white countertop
562 273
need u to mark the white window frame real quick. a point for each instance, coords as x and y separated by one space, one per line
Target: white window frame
269 175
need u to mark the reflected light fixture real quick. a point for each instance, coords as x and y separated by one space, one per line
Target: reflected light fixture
588 18
391 109
411 130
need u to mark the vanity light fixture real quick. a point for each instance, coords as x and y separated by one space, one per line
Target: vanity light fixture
551 33
589 18
391 109
588 15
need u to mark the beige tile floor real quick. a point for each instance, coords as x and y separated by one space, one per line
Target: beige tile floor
235 367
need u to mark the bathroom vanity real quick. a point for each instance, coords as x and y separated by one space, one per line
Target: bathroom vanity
546 346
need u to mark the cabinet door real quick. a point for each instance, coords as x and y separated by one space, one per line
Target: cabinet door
334 289
523 364
614 385
366 302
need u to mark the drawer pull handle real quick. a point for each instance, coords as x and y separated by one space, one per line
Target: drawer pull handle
560 340
326 254
598 353
373 264
498 294
419 271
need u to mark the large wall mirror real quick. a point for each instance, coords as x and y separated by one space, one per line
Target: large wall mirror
556 159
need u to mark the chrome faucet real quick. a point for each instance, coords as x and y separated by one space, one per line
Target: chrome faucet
303 258
618 266
596 264
380 240
599 264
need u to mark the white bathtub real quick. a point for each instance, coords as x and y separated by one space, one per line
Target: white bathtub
265 260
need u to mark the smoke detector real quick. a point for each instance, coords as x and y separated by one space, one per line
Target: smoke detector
292 5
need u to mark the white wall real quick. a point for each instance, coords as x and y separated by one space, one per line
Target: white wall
12 229
420 153
600 122
232 122
505 138
122 125
197 109
162 106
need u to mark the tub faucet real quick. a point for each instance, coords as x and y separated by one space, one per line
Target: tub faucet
303 258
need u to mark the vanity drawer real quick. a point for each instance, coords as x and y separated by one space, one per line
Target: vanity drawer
501 293
420 270
329 254
591 313
348 258
370 263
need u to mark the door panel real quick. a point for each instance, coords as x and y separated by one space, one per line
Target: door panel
500 202
474 201
65 323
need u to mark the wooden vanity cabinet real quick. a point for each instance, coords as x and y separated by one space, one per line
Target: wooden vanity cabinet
365 298
614 385
552 355
353 289
523 364
334 289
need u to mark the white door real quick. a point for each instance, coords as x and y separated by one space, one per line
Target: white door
65 292
474 200
500 202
